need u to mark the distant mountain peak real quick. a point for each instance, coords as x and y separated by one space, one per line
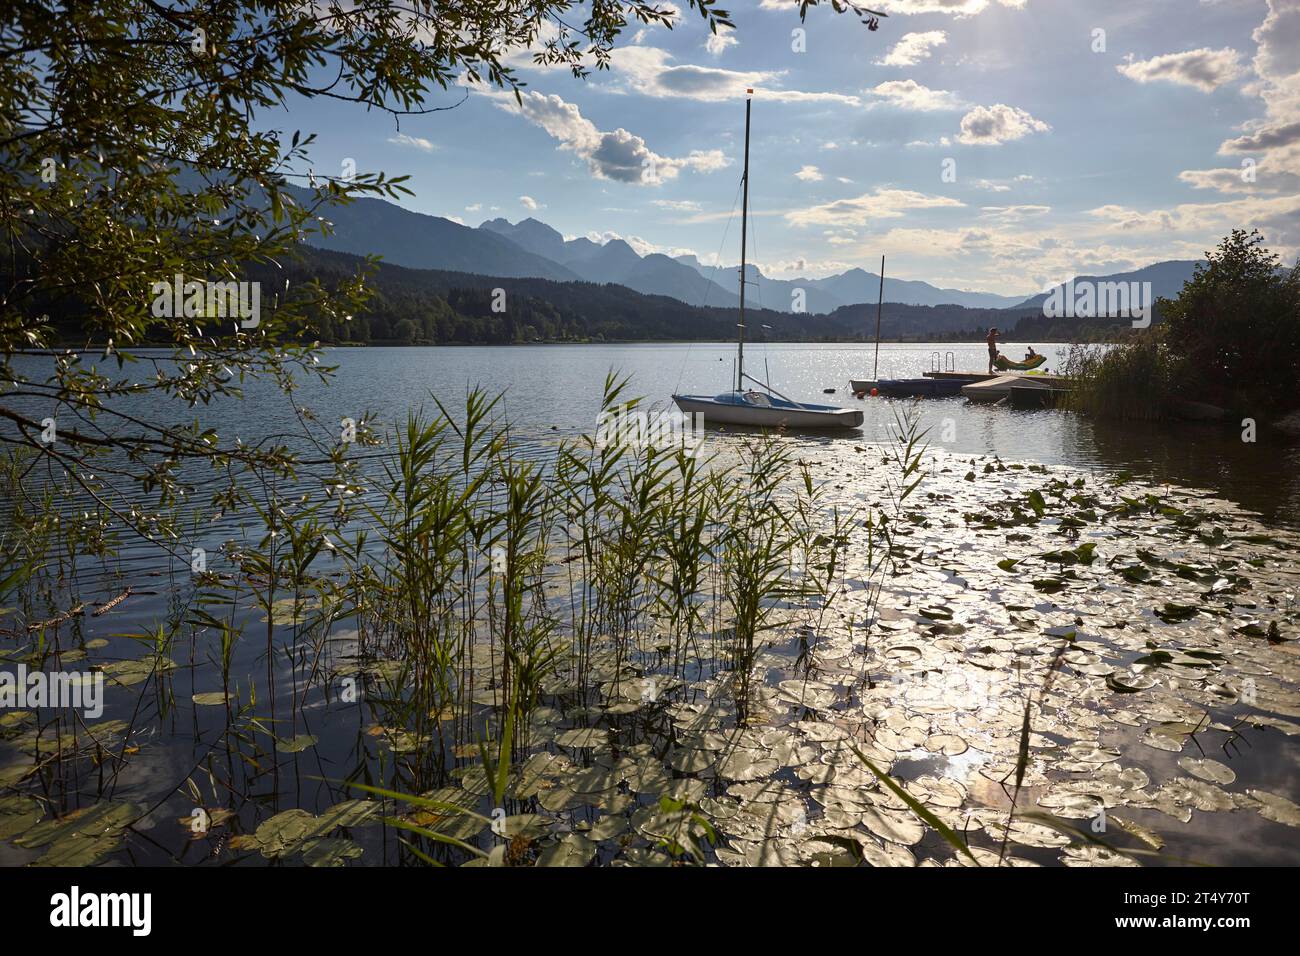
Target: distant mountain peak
532 248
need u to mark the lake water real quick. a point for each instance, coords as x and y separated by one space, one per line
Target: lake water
556 389
178 754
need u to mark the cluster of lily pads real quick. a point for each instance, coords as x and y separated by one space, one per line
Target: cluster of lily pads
1047 667
1083 700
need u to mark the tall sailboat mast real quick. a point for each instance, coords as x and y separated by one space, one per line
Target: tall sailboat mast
875 366
767 408
744 234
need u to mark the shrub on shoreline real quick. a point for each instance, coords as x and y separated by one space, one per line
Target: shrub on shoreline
1231 338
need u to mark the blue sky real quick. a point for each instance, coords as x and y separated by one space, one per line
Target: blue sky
1061 157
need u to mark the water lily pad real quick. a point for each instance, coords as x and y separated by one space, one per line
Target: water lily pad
284 832
1207 769
894 826
1145 834
348 813
13 774
1091 855
297 744
1276 808
950 745
1171 613
83 837
102 819
582 737
1129 683
573 849
79 851
329 851
211 698
692 761
18 813
127 673
747 765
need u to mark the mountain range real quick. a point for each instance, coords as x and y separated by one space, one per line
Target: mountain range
532 249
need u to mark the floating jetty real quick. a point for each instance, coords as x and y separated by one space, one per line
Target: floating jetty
1018 389
994 388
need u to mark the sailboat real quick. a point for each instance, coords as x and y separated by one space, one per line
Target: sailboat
749 406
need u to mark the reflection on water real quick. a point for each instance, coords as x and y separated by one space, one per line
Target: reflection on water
952 611
554 391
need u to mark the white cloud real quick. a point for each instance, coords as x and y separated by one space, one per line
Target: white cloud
1269 147
1013 213
861 210
1224 180
913 48
1204 69
992 125
474 207
911 95
957 8
615 155
677 205
1278 217
706 160
528 202
648 71
720 41
1034 256
809 174
418 142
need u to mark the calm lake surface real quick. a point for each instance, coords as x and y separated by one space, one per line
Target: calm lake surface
184 754
558 388
553 391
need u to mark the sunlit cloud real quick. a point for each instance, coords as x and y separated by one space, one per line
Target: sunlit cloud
1203 69
861 210
994 125
911 95
617 155
416 142
913 48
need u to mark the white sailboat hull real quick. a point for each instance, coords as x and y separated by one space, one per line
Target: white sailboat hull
728 409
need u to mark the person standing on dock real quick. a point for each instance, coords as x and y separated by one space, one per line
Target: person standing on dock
993 347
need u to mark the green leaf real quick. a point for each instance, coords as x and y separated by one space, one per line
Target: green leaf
1037 503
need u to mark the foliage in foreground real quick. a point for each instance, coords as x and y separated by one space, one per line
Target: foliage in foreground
1231 339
